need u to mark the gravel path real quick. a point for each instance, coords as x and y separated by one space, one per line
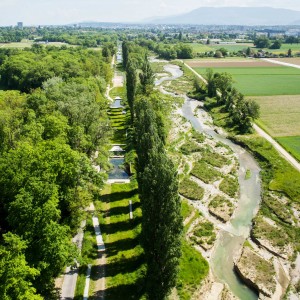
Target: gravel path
279 148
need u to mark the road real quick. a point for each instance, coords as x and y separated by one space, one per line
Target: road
260 131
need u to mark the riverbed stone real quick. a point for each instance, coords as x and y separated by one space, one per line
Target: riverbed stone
257 273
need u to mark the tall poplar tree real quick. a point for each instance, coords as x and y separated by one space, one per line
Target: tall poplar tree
147 77
161 221
131 82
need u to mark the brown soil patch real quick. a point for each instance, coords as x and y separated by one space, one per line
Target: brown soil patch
289 60
229 64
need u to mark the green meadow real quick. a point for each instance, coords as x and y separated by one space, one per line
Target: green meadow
291 144
262 81
200 48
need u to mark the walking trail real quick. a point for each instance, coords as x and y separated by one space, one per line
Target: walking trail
99 267
100 263
70 276
260 131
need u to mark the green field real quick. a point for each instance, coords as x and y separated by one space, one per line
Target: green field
28 43
263 81
280 115
285 47
291 144
200 48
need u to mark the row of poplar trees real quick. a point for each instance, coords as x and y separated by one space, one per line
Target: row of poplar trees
157 177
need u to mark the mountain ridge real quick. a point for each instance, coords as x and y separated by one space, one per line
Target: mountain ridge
232 16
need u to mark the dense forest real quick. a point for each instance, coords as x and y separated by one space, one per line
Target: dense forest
52 120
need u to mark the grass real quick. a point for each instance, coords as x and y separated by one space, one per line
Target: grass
248 174
285 47
28 43
274 234
283 212
80 283
88 256
263 81
125 261
204 234
192 270
118 121
280 115
291 144
199 48
214 159
205 172
278 174
186 209
118 92
190 189
158 67
264 269
221 207
185 83
229 186
198 136
189 147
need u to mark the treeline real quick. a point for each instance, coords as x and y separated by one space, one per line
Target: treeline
265 42
9 35
81 37
242 112
156 175
27 69
47 139
168 51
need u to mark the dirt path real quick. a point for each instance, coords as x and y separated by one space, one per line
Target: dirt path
261 132
281 63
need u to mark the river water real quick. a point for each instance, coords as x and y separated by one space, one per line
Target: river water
233 235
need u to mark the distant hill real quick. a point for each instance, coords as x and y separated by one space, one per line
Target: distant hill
233 16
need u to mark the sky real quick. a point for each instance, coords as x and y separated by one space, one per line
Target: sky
59 12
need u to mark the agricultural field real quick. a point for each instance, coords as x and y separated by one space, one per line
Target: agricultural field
276 88
285 47
28 43
258 78
21 45
201 48
291 144
289 60
280 115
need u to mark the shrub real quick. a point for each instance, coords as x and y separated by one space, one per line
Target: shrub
190 189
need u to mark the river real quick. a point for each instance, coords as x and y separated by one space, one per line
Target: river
231 238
